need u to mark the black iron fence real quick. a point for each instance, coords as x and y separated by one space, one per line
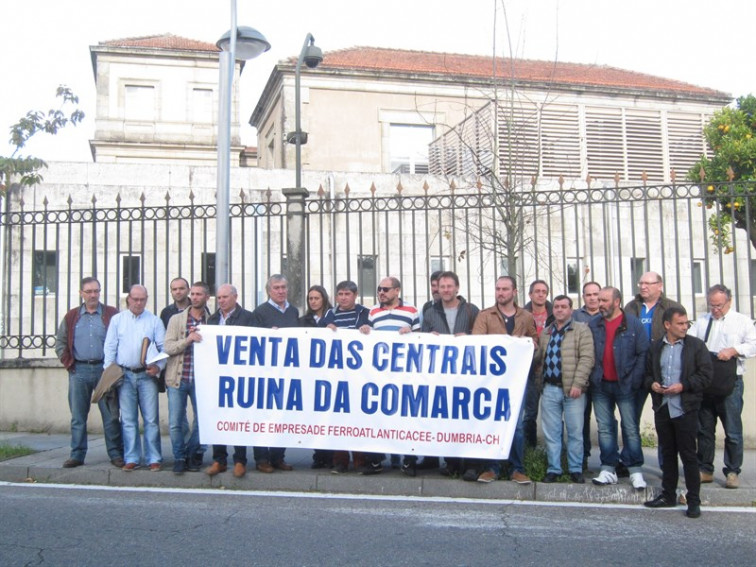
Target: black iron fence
694 236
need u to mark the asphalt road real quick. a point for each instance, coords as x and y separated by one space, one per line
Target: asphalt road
61 525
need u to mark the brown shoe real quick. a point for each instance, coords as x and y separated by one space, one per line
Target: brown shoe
265 467
240 470
706 477
72 463
128 467
520 478
155 467
118 462
283 466
732 480
487 476
215 468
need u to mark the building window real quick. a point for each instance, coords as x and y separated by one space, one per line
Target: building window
698 277
409 148
208 270
637 269
131 272
202 106
366 278
139 103
44 272
436 264
573 277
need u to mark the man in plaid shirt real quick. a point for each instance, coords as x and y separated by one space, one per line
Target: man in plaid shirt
179 375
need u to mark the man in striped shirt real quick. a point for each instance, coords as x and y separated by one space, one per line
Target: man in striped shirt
347 314
391 314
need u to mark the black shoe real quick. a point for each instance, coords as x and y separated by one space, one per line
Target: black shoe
660 502
471 475
693 511
320 465
372 468
340 469
621 471
577 478
551 477
410 469
194 464
179 466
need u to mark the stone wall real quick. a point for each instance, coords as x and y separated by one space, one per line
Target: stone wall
34 397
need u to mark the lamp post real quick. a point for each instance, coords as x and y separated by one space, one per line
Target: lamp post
311 55
238 43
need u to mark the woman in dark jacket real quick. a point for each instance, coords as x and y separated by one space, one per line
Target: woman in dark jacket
317 305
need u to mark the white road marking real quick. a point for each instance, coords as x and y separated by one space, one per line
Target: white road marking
375 497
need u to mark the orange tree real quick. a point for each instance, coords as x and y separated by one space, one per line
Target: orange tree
728 177
25 170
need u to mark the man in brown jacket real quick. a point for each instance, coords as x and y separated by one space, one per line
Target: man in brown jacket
504 318
79 346
566 352
179 374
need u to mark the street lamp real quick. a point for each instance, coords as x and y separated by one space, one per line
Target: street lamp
245 43
312 56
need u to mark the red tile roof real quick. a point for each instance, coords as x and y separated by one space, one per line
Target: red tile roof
481 67
165 41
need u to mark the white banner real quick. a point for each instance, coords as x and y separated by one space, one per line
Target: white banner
416 393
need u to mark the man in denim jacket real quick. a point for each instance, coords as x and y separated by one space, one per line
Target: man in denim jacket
621 345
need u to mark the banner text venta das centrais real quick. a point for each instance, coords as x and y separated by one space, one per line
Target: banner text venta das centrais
384 392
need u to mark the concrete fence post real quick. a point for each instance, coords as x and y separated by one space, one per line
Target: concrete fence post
296 262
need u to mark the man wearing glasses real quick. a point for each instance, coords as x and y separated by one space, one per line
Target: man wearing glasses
728 335
649 306
79 346
391 314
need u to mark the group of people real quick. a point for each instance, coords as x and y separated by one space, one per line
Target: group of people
601 358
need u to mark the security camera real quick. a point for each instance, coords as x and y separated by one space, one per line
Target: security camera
313 56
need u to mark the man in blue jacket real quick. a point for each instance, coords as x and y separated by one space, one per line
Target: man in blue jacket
621 345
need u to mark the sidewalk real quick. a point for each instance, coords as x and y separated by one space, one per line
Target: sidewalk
45 467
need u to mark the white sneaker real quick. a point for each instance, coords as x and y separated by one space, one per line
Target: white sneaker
637 481
605 477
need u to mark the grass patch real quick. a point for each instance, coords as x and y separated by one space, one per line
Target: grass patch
535 463
648 437
12 451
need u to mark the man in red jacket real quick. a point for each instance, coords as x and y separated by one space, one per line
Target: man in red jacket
79 346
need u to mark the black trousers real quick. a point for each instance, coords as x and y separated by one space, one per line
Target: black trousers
678 436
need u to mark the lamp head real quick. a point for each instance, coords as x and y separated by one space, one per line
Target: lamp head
249 43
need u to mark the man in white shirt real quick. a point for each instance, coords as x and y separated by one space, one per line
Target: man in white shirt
139 391
727 334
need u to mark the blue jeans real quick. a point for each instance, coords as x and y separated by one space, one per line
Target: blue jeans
728 410
139 393
554 405
81 383
184 447
606 397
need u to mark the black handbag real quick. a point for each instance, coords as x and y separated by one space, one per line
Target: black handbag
724 376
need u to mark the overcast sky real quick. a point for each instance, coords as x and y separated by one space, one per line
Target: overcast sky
45 43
